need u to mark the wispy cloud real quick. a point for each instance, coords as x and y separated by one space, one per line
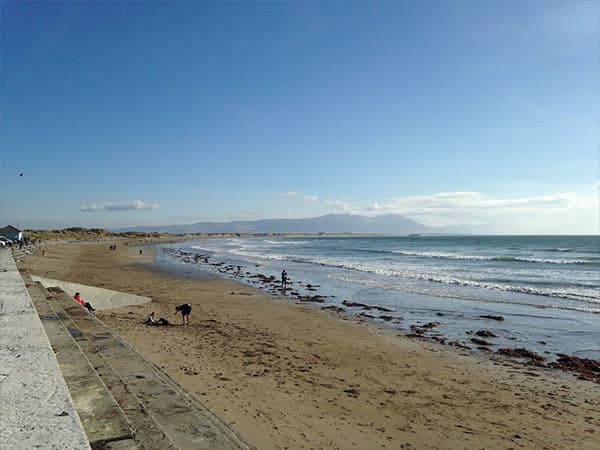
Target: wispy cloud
311 198
120 206
474 208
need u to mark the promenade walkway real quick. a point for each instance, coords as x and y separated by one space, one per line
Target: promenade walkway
36 409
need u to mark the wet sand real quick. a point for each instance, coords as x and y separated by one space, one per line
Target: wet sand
288 375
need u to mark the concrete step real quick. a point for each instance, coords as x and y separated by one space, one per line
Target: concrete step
146 432
161 413
102 418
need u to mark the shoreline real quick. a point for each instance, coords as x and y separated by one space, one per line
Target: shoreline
468 323
291 375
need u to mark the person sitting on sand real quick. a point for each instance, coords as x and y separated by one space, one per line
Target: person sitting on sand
82 302
185 311
151 321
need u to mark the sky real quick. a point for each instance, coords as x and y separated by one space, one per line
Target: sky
450 113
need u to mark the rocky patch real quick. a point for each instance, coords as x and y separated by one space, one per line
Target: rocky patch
520 353
485 333
588 369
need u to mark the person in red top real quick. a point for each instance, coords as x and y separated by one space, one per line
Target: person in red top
82 302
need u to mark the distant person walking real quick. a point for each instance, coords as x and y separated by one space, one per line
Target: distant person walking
284 280
82 302
185 310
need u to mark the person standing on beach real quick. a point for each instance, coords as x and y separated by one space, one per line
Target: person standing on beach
283 280
185 310
82 302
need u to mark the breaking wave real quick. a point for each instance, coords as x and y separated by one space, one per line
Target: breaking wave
500 258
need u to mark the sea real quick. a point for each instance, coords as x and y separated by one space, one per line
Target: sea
536 292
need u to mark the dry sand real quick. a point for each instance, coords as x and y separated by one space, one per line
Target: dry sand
292 376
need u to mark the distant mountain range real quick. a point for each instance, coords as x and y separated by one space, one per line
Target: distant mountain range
391 224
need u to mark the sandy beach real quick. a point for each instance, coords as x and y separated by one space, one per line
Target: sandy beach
287 375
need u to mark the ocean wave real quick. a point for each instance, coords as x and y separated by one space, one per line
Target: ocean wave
500 258
462 296
384 269
266 257
285 242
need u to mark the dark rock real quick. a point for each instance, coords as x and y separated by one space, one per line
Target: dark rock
459 344
588 369
355 304
485 333
418 334
314 299
536 362
382 308
265 279
334 308
489 316
520 353
421 329
370 316
365 306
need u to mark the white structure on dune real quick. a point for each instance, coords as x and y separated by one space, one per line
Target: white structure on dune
12 233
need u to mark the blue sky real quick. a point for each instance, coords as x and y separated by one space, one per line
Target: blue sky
122 114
